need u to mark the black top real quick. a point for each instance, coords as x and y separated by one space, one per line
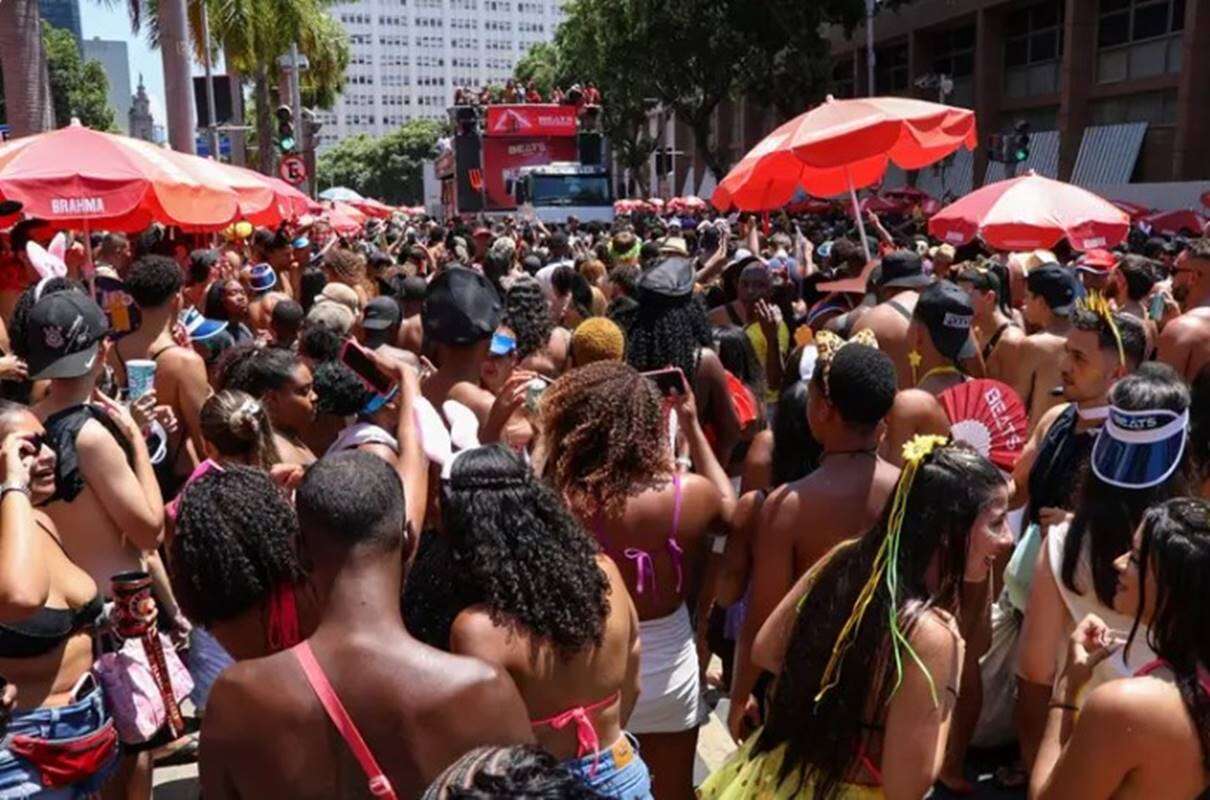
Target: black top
47 628
62 430
1061 458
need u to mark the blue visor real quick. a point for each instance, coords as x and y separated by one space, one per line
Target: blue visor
200 328
1139 449
502 344
262 278
301 243
378 401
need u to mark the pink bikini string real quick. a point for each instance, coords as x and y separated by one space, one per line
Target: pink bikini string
587 740
283 618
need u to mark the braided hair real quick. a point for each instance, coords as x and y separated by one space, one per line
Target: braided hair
528 314
236 541
519 772
605 437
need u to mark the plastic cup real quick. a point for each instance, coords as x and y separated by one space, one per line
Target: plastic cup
140 377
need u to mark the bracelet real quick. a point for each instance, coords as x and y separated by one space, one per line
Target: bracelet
13 487
1063 706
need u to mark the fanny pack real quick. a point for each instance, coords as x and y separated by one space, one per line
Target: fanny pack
67 761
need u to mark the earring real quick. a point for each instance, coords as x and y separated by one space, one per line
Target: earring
914 359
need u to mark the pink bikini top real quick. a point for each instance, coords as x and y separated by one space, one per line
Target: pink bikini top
642 558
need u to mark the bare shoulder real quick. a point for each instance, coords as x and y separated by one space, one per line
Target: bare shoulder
180 359
914 401
1144 701
1048 418
935 637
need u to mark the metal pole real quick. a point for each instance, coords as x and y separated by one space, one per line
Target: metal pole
211 130
857 213
870 5
296 88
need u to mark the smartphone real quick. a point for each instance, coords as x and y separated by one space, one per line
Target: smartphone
363 362
668 382
1155 308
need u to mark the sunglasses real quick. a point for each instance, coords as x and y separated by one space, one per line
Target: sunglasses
36 441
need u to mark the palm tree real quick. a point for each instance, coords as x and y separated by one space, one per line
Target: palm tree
255 34
23 65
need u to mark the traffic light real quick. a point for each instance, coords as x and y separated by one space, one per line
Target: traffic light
286 142
1019 143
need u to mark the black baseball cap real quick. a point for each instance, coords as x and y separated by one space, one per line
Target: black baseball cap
1054 284
63 334
460 307
903 269
671 278
946 312
413 288
380 313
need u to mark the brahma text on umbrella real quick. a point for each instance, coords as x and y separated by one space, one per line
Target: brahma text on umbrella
72 206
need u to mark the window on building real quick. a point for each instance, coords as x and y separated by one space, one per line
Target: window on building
1033 50
1157 108
891 69
1139 39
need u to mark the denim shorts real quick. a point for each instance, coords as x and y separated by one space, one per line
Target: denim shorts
21 779
619 773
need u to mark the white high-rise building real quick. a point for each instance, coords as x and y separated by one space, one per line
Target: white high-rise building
408 56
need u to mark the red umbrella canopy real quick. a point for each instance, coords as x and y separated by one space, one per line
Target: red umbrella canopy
373 208
1178 221
344 218
842 145
1031 212
1133 209
74 176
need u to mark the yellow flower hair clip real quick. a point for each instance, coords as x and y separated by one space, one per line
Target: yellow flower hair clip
1096 303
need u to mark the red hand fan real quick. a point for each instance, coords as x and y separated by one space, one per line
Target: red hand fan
989 416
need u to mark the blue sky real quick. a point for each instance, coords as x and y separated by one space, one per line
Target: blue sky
110 21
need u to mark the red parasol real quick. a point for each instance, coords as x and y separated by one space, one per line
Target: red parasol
1133 209
989 416
844 145
75 177
1031 212
372 208
344 218
1180 220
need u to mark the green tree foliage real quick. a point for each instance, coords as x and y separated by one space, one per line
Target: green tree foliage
78 88
388 167
690 55
539 64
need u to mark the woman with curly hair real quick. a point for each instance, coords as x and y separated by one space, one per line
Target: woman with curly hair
607 452
669 328
235 565
227 300
514 580
507 773
345 266
1146 735
867 648
283 382
541 346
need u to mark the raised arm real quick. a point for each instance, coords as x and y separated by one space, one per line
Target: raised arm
24 578
412 465
129 495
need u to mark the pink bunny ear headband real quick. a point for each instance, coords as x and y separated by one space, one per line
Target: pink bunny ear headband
48 263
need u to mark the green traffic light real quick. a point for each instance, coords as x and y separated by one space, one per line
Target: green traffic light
1021 155
287 143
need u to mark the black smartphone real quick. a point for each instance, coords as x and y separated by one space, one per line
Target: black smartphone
668 382
362 362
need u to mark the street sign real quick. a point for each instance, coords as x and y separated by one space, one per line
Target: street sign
293 170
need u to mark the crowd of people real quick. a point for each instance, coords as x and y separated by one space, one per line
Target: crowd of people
517 92
469 511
